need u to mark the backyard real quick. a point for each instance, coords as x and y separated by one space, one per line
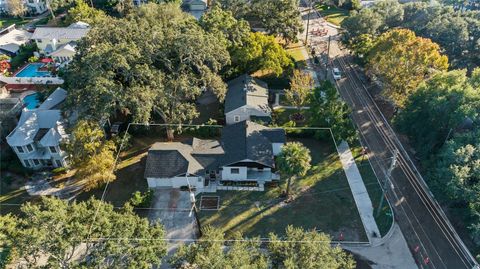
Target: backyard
332 14
5 22
323 201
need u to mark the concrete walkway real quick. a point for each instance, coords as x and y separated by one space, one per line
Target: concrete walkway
359 191
393 254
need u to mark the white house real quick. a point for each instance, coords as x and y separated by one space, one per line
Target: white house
246 99
60 42
11 41
34 7
244 155
196 7
39 132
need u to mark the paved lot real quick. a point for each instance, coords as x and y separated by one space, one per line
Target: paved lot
172 208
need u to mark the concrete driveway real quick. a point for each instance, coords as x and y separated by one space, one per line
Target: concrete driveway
172 208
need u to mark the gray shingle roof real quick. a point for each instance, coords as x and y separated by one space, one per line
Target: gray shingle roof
249 140
245 140
246 90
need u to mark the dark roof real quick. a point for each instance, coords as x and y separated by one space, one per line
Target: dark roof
165 164
247 140
246 90
40 134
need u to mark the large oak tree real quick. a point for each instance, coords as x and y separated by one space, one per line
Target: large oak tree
156 59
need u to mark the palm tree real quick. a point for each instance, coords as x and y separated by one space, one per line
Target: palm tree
293 161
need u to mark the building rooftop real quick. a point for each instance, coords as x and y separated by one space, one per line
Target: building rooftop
246 90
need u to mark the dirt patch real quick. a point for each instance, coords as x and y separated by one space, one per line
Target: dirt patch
209 202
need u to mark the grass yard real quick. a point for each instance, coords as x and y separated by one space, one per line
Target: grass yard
332 14
385 218
296 51
5 22
323 202
281 116
12 194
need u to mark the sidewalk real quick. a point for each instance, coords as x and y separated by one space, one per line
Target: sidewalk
359 191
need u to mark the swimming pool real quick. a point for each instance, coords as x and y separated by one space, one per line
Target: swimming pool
31 70
31 101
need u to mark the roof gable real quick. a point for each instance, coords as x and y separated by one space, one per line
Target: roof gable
246 90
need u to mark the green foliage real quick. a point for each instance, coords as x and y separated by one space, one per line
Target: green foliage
25 52
142 200
307 250
280 18
81 11
293 161
91 154
33 59
261 52
156 59
402 61
55 229
457 32
328 110
439 106
59 170
301 85
209 253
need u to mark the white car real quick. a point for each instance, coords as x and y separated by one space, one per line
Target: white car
336 74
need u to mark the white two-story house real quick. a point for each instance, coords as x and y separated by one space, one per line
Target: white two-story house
247 99
37 137
59 42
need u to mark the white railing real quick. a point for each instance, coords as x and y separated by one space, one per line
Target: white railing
31 80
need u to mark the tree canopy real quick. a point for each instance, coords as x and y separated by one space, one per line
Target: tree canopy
437 108
69 237
280 18
91 154
301 85
156 59
402 60
307 250
327 109
83 12
293 161
299 249
456 31
209 252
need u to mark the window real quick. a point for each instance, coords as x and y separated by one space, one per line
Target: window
20 149
29 148
27 163
39 41
235 170
36 162
53 149
236 118
58 163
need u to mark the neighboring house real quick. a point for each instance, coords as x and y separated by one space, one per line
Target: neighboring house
34 7
60 42
11 41
196 7
244 154
39 132
247 99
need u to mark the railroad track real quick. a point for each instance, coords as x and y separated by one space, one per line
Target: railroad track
451 252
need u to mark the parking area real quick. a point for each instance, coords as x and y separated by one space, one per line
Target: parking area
172 208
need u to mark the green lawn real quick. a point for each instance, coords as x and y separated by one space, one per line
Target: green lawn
385 218
323 202
4 22
296 51
332 14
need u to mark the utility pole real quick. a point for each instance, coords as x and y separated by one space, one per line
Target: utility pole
194 205
308 21
328 56
387 180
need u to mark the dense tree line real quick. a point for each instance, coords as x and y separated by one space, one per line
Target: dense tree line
456 31
55 233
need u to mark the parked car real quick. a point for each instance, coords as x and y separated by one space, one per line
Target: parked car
336 74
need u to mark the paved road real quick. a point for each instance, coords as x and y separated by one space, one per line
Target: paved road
419 216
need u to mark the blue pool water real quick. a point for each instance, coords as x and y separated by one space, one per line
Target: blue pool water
31 70
31 101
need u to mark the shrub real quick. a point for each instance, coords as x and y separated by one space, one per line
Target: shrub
33 59
141 199
59 170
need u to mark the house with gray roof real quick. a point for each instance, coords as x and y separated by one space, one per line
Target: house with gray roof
244 154
39 132
247 99
60 42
